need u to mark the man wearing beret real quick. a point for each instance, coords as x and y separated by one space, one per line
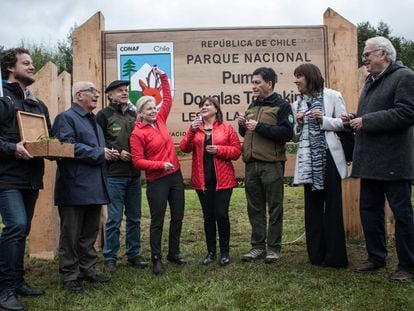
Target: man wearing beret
124 185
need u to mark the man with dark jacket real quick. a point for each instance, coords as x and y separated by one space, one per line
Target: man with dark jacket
266 127
80 188
124 186
21 176
384 156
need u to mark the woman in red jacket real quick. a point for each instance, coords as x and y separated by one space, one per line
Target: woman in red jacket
214 145
153 151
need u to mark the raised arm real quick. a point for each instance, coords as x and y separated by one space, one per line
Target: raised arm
166 97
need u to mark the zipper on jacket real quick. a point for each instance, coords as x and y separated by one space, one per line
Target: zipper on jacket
259 114
203 140
214 160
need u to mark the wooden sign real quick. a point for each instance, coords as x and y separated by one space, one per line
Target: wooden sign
211 62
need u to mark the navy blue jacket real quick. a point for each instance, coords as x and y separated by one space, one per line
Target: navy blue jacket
82 180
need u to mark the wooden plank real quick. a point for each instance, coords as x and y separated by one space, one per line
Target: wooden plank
43 239
350 199
87 51
343 76
64 91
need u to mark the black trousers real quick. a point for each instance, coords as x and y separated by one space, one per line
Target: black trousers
79 227
324 226
398 194
215 205
169 189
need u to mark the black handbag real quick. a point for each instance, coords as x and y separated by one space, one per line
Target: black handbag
347 138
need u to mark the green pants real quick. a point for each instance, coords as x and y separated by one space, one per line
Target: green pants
264 188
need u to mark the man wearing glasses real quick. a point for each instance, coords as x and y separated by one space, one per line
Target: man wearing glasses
124 186
384 156
80 188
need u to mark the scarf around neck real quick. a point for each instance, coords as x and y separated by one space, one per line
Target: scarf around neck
312 145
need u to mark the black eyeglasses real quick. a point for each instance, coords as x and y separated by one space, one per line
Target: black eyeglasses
91 90
367 54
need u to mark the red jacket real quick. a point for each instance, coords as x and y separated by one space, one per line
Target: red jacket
151 146
227 141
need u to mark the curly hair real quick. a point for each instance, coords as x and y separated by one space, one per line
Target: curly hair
9 58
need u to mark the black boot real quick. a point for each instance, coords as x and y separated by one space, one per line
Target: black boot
211 256
8 301
158 267
224 259
177 259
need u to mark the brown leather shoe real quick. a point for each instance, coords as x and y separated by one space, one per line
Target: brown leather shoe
368 266
401 275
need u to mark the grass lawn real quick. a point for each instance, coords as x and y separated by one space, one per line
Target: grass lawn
290 284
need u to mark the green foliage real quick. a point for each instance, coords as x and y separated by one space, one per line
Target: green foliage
404 48
40 53
292 147
182 154
61 54
406 54
46 138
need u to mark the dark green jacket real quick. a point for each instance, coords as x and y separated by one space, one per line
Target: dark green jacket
117 127
274 128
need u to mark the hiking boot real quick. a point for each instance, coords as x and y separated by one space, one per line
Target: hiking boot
401 275
26 290
209 258
138 262
110 265
96 278
8 301
224 259
73 286
368 266
158 267
272 256
253 254
177 259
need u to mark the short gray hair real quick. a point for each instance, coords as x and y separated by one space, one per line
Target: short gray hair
385 45
142 102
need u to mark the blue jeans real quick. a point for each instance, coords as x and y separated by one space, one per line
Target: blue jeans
16 210
123 191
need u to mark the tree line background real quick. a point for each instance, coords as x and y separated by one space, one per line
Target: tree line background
61 54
